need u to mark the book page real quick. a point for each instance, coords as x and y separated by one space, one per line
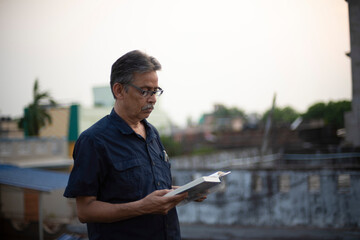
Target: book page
200 187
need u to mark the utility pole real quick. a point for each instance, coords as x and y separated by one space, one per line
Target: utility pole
264 145
352 119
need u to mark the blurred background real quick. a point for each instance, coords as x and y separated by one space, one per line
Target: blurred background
266 89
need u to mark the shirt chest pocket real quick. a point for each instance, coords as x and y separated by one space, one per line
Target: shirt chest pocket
161 165
127 178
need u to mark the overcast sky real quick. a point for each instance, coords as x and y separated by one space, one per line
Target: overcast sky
235 52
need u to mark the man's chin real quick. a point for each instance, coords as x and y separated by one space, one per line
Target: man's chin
146 113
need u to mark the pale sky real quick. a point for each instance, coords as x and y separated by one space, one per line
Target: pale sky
234 52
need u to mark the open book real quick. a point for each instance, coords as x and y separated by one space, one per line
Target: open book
199 187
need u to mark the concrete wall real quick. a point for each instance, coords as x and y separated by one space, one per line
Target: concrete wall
262 198
35 152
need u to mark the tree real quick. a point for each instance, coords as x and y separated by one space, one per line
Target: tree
284 115
335 113
172 147
36 116
222 117
315 111
221 111
332 113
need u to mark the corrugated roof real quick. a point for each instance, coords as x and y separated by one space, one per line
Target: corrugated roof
35 179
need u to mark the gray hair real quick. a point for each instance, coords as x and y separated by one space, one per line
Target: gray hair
123 69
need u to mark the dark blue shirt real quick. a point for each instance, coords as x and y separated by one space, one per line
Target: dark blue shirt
117 165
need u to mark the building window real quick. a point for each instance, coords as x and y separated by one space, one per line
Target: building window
314 183
343 183
284 183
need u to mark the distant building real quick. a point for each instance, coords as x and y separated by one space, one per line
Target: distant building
49 150
54 146
9 128
59 126
103 96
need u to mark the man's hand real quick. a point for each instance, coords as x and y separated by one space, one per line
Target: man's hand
200 199
156 203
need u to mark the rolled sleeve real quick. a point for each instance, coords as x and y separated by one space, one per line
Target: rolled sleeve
86 176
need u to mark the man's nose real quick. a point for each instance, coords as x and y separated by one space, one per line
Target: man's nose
152 98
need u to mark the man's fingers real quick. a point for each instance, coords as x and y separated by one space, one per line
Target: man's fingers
201 199
162 192
180 196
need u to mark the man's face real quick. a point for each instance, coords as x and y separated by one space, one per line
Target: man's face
136 106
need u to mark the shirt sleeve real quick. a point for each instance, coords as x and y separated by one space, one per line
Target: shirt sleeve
87 173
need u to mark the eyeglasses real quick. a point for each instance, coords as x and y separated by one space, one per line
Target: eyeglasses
145 93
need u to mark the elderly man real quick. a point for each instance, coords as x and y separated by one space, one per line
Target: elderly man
121 169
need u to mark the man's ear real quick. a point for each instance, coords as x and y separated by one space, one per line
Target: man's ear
118 90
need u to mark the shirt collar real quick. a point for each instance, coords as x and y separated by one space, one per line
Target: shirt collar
124 128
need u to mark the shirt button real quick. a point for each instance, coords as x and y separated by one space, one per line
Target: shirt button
153 163
158 183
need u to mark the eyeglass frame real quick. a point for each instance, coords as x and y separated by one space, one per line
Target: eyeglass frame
147 93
